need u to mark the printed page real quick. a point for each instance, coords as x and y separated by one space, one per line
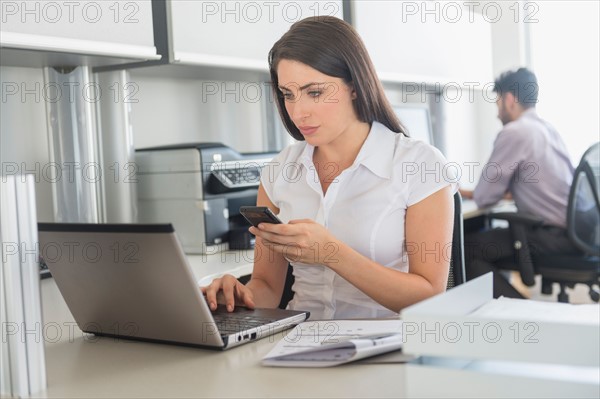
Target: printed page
525 309
328 343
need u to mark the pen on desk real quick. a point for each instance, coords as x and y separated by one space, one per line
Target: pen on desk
393 338
376 338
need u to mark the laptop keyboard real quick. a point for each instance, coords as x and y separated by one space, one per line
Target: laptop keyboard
231 323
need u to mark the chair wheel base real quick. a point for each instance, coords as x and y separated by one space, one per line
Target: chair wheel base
563 297
547 287
595 295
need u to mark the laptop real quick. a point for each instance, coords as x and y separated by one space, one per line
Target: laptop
134 281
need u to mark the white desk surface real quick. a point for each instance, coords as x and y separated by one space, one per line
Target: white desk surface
79 365
208 267
87 366
470 209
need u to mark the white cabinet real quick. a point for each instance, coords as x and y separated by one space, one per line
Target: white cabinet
433 41
118 29
236 34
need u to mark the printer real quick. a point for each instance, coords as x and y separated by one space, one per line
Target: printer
199 188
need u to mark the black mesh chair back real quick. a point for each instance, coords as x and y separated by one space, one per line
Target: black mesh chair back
583 217
583 228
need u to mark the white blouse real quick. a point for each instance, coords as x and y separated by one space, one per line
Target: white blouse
365 207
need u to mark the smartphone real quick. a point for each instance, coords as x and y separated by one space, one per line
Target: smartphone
259 214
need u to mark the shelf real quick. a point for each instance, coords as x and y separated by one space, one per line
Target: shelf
204 72
219 61
35 51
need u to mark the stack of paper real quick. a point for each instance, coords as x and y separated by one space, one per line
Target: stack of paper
330 343
518 309
23 370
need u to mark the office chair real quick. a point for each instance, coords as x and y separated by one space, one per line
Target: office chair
583 228
456 274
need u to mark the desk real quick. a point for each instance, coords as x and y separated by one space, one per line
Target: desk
81 365
475 219
87 366
470 209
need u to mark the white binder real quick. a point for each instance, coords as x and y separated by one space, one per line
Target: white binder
472 345
23 362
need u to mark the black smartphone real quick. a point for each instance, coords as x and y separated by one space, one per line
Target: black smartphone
259 214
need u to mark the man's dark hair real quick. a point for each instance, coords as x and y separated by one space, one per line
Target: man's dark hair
522 83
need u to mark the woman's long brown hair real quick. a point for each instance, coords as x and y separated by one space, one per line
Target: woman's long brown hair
332 47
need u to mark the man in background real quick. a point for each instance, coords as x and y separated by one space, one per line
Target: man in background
532 165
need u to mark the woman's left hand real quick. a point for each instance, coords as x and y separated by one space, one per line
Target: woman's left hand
301 240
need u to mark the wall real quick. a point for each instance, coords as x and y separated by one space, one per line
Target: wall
429 41
23 134
560 42
164 110
174 111
509 38
470 126
565 56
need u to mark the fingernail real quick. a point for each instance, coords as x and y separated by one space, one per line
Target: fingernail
230 308
213 305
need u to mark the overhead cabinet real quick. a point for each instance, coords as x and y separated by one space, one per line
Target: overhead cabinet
431 42
68 33
236 34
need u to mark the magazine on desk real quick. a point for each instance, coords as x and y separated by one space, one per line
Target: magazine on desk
332 342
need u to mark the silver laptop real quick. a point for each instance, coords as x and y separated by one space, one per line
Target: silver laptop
134 281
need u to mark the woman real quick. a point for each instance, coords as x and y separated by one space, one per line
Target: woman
365 227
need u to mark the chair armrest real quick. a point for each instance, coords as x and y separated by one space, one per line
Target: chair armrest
515 217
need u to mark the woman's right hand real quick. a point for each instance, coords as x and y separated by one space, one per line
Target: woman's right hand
229 291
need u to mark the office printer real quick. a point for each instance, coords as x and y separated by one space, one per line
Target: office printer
199 188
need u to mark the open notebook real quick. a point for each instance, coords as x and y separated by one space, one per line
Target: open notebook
334 342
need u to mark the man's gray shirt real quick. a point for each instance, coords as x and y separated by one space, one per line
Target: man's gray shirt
529 160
